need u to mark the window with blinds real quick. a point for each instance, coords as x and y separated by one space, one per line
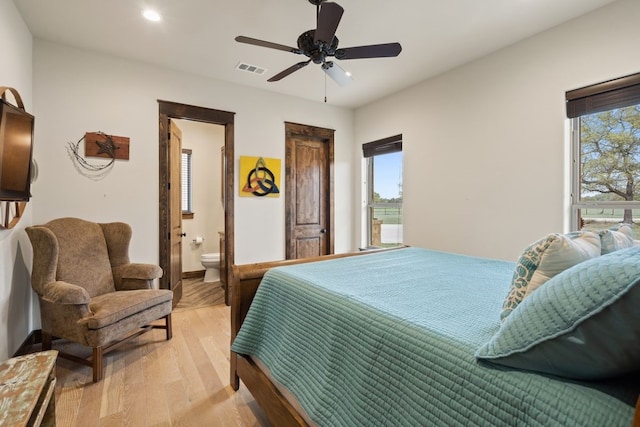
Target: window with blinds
187 183
605 120
384 192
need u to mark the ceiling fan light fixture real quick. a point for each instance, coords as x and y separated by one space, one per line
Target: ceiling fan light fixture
333 70
321 43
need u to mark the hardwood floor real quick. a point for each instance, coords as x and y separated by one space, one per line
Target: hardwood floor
196 293
153 382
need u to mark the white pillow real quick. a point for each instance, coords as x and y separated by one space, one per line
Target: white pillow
545 258
615 239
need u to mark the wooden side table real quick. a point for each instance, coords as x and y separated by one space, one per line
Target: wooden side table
27 390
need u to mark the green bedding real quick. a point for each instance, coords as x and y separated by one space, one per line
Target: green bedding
389 338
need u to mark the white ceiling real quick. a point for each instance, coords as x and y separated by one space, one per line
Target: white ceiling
197 36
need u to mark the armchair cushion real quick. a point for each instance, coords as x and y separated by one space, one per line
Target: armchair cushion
114 306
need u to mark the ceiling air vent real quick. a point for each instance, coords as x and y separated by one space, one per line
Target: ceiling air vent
250 68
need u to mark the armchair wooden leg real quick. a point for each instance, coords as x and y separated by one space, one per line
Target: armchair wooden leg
46 341
98 365
168 323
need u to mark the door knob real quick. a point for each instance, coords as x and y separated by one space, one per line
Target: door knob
183 234
323 231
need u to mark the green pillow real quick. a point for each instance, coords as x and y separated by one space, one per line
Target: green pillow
583 323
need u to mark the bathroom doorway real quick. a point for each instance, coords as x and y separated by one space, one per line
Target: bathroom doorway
170 259
202 204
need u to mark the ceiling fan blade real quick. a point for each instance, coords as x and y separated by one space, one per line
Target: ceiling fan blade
285 73
256 42
370 51
328 20
338 75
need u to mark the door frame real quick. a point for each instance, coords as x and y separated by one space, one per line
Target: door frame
325 136
171 110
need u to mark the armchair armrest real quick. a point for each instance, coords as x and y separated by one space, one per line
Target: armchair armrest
135 276
59 292
141 271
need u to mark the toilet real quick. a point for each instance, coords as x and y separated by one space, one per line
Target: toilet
211 262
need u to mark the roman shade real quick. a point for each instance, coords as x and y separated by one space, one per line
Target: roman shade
617 93
392 144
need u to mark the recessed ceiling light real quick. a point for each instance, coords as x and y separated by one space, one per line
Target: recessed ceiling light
151 15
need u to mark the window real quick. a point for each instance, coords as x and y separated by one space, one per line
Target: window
606 154
187 184
384 191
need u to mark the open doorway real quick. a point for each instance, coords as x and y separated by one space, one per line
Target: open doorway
202 204
170 233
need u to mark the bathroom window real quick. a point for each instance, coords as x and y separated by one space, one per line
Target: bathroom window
187 184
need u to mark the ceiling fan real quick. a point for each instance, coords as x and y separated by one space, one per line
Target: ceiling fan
321 43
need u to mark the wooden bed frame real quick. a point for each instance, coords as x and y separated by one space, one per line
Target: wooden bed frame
245 280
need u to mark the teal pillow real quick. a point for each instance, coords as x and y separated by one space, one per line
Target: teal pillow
584 323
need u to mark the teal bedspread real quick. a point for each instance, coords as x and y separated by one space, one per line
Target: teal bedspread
389 338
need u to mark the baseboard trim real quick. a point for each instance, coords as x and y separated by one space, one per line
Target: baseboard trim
35 337
192 274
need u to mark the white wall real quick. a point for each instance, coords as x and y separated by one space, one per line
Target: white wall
464 128
484 145
205 141
15 250
77 91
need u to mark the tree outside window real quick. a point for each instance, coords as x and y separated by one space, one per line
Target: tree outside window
610 157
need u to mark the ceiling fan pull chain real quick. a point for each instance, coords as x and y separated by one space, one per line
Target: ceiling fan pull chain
325 88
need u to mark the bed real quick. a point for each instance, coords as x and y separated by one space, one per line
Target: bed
394 338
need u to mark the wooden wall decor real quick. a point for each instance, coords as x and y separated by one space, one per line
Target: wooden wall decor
97 144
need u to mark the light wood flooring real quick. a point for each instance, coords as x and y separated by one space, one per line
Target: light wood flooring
153 382
196 293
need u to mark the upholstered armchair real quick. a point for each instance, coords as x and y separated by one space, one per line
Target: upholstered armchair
88 290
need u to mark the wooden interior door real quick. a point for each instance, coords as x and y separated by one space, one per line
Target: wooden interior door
309 191
167 111
175 214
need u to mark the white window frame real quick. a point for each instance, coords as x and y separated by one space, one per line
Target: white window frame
576 181
605 96
382 148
